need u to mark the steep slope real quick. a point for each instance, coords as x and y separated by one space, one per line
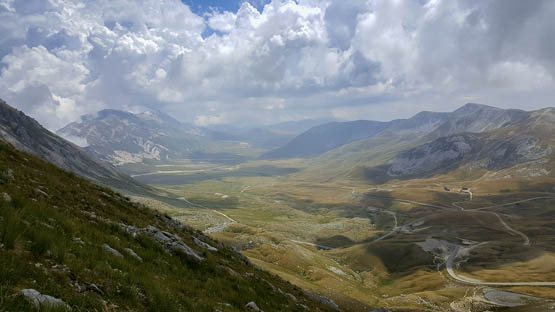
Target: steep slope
530 139
121 137
397 136
423 122
478 118
323 138
405 134
28 135
75 245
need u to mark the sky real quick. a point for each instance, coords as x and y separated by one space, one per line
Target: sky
268 61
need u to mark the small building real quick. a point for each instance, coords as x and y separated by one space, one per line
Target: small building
446 189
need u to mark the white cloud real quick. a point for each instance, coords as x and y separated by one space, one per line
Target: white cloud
292 59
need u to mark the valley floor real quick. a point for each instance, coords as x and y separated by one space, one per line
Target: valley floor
404 246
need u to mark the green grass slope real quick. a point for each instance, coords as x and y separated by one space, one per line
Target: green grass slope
53 226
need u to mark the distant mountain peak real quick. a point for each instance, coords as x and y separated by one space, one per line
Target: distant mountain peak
158 116
26 134
473 107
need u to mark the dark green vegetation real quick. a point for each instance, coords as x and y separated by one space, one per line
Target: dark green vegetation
51 242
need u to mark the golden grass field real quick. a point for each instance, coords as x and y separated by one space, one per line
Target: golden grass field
275 218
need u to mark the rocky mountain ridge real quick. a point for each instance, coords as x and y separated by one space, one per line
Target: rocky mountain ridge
121 137
28 135
513 144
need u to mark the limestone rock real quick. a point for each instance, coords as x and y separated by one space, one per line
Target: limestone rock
132 253
6 197
170 242
112 251
40 300
202 244
252 306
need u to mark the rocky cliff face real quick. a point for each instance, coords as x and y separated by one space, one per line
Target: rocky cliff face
489 151
441 154
25 134
121 137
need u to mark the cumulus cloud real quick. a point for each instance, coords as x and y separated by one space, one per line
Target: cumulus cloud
289 60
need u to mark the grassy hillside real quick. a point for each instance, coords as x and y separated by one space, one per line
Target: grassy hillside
55 230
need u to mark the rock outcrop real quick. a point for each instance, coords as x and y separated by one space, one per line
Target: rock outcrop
172 243
253 307
112 251
43 301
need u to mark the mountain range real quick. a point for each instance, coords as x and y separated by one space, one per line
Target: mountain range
475 136
469 118
28 135
121 137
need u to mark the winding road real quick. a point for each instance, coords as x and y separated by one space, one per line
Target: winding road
449 265
511 230
450 259
395 228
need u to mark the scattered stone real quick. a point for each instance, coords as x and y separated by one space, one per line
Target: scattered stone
6 197
161 236
106 194
41 192
47 225
129 229
77 286
90 214
252 306
78 241
231 271
132 253
9 174
324 300
172 222
43 300
290 296
202 244
112 251
181 247
303 306
93 287
171 242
